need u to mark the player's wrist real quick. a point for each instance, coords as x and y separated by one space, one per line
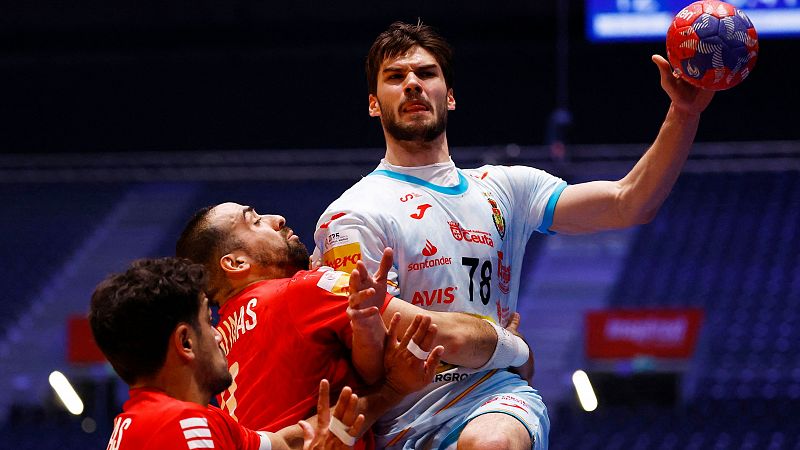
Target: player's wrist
510 351
685 113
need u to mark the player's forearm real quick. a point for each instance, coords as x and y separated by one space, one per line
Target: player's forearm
289 438
369 336
648 184
377 402
467 340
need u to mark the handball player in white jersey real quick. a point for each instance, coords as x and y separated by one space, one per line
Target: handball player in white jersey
459 235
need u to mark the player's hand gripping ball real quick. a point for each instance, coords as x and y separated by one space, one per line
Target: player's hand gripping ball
712 45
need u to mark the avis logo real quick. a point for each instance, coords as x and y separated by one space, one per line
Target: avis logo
420 211
428 298
503 273
472 236
429 249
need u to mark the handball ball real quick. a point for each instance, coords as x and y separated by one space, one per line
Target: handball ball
712 45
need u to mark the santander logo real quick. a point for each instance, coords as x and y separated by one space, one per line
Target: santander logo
429 249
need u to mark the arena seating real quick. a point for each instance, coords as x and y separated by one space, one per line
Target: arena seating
43 223
728 243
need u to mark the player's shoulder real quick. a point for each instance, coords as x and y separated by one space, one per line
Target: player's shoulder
488 171
497 174
167 412
155 420
322 280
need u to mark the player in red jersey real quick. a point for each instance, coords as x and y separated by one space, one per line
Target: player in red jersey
284 327
153 323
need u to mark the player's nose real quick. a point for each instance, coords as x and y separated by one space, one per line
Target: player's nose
277 222
412 83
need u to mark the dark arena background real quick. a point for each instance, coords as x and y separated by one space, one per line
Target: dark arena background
121 118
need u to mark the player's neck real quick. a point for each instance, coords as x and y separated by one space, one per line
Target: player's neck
417 153
179 383
257 276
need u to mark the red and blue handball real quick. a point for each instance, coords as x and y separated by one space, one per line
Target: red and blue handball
712 45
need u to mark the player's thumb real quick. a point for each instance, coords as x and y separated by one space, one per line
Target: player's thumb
513 323
308 433
664 68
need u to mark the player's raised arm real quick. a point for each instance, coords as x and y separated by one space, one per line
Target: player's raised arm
637 197
325 431
410 365
366 295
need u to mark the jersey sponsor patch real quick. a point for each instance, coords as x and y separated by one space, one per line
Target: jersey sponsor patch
343 258
471 236
503 274
340 238
428 263
429 297
335 282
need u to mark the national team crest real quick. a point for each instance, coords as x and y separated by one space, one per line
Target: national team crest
497 216
455 228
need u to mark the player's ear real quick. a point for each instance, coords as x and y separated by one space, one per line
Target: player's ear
183 342
235 264
451 100
374 106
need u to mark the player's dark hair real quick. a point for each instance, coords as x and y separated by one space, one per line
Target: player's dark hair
134 313
400 37
203 243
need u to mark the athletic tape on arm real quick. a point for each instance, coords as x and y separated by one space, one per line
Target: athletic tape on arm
417 351
266 444
511 350
341 431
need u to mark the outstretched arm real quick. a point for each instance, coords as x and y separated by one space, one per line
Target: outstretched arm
636 198
324 431
366 295
468 340
406 371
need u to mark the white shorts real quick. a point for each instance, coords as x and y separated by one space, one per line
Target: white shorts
437 425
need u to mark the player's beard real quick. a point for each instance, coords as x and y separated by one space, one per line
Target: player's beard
213 376
420 131
214 383
297 255
293 259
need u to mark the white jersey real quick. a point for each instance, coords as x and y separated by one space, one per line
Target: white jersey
459 237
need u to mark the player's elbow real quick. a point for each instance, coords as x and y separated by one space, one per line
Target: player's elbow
631 213
647 216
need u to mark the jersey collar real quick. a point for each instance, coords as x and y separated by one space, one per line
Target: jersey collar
460 188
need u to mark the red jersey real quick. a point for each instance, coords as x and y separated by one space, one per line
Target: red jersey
152 420
282 337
